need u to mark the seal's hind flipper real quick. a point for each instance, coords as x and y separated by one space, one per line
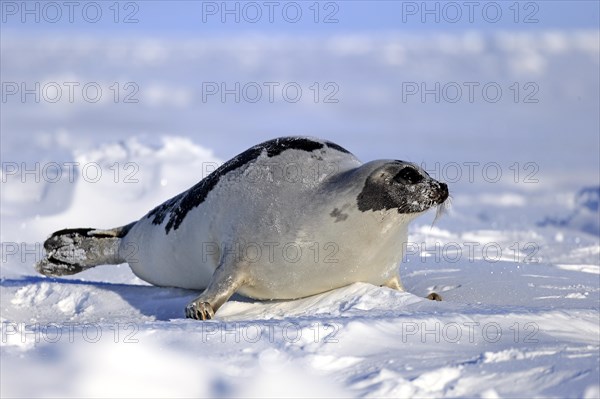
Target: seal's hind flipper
71 251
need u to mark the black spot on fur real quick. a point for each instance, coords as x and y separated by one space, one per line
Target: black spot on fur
125 229
337 147
338 215
374 198
177 207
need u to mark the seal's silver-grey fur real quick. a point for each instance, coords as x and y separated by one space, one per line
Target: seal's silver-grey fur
288 218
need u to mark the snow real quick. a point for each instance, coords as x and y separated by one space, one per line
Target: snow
518 265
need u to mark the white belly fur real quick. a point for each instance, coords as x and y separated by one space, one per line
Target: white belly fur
282 266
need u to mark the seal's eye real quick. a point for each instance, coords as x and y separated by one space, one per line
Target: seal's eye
408 175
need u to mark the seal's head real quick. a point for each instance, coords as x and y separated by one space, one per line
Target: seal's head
400 185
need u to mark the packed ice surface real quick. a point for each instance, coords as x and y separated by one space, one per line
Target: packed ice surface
515 259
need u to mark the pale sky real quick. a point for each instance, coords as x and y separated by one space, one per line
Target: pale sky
198 18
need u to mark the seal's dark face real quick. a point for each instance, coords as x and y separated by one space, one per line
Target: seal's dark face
403 186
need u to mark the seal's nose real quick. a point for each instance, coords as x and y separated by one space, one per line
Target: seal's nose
443 194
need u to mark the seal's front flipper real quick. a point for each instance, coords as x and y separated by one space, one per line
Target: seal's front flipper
199 310
224 283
